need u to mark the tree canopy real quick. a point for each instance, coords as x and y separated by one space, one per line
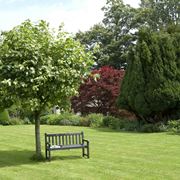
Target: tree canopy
118 30
151 87
40 68
99 95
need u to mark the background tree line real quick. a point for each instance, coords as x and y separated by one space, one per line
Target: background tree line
118 30
145 41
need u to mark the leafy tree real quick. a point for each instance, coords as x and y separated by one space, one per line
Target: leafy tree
99 96
98 36
159 14
151 87
117 31
114 35
40 68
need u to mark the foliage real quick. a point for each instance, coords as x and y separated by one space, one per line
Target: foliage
99 95
150 128
52 64
159 14
135 125
16 121
174 126
61 119
123 124
95 120
108 120
151 87
4 117
46 118
113 122
113 35
46 62
117 32
97 36
70 119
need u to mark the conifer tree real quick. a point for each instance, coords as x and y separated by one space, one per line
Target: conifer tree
151 87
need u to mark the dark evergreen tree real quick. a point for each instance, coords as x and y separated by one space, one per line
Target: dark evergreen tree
151 87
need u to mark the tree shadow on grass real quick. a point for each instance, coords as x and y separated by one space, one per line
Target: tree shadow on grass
15 158
22 157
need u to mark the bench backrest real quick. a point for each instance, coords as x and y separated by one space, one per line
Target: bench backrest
64 138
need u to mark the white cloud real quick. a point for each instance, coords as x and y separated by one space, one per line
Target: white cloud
10 1
74 19
79 15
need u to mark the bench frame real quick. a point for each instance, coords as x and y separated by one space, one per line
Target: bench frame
65 141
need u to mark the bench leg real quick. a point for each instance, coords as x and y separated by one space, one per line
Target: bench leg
49 156
46 154
88 152
82 152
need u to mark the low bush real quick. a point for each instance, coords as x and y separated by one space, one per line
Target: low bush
70 119
98 120
174 126
132 125
16 121
120 124
95 120
4 117
26 121
84 122
61 119
149 128
46 118
108 121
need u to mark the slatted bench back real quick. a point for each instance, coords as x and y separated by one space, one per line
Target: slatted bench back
64 139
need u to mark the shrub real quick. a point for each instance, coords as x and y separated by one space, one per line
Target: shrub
105 89
84 121
149 128
112 122
4 117
107 120
26 121
135 125
61 119
16 121
69 119
132 125
95 120
125 125
174 126
47 119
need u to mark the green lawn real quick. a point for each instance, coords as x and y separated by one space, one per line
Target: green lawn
114 155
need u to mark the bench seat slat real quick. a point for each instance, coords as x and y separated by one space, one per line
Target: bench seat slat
53 148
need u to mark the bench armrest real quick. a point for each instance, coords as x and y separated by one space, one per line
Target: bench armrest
85 140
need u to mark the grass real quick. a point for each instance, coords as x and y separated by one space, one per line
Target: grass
114 155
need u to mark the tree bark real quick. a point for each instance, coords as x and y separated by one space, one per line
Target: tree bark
37 134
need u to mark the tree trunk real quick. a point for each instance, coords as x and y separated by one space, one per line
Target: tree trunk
37 135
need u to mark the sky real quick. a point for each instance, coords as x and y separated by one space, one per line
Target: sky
75 14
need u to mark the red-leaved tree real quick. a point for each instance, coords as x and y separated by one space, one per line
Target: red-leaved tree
99 96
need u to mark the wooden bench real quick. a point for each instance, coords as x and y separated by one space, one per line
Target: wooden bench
65 141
